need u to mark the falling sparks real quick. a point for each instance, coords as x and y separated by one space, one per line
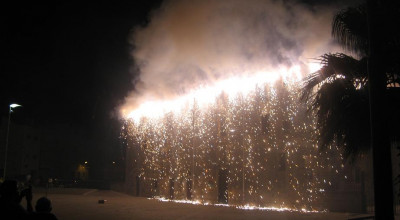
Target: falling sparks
250 142
244 207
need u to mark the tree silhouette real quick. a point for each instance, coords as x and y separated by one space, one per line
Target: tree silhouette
344 90
338 92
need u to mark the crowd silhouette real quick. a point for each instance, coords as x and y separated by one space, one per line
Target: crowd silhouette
10 203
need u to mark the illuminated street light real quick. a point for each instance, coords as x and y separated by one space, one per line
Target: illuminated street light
13 106
8 133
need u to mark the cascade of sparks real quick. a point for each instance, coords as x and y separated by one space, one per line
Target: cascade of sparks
254 148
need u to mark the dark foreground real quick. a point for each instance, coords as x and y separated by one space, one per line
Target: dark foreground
83 204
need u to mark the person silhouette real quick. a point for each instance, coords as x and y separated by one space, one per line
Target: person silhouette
43 210
10 198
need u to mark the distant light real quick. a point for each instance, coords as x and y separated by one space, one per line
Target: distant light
14 105
85 162
113 162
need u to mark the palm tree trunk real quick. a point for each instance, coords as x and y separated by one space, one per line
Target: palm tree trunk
382 166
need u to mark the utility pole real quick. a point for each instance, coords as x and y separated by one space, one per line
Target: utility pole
8 133
380 142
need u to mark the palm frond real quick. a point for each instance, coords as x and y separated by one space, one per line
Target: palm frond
334 66
350 29
338 92
343 117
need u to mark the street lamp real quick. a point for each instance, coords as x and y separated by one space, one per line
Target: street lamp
8 132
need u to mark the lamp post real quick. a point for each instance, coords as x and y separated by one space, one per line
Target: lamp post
8 132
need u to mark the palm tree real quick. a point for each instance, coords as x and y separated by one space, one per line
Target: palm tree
340 103
340 93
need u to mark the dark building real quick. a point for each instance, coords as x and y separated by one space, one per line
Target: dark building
40 152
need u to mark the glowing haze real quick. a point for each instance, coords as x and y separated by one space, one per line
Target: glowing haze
198 48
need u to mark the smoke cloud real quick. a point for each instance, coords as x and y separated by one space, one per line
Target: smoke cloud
188 44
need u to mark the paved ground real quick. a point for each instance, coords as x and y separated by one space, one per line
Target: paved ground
83 204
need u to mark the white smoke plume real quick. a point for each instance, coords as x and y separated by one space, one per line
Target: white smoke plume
192 43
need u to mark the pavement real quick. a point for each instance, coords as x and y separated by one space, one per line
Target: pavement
84 204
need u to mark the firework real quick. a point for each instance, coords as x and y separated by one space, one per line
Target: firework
254 147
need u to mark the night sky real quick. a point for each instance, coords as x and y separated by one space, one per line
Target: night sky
70 64
66 62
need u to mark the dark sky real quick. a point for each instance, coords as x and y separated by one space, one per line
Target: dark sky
67 62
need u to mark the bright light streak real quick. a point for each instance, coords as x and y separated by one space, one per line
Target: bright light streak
207 94
243 207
